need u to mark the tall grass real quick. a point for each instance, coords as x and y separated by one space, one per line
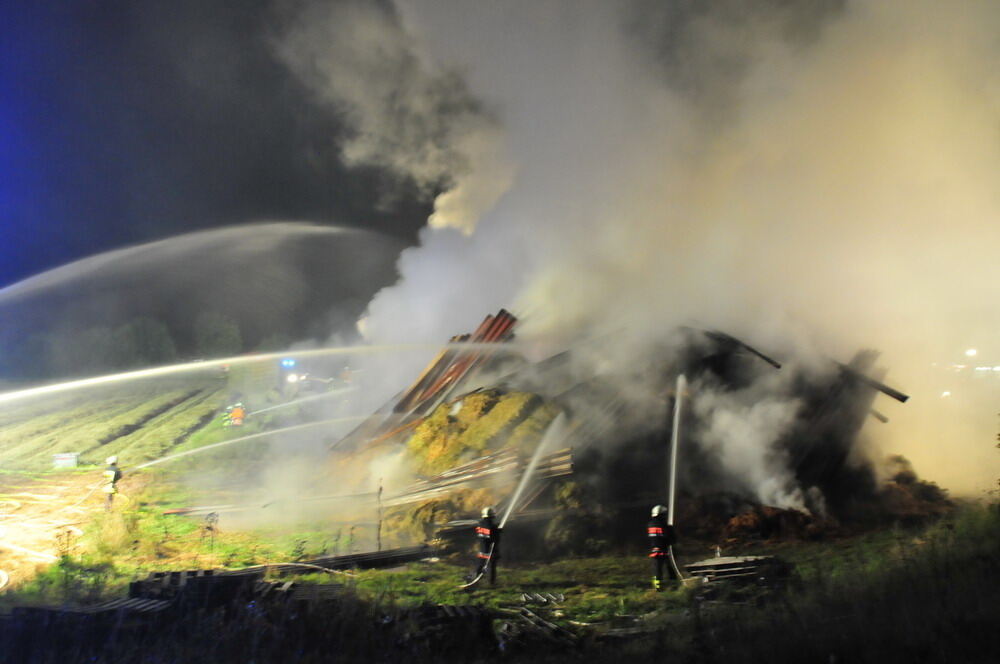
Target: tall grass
904 595
932 596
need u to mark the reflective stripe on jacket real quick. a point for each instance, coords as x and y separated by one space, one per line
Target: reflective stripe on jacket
488 535
660 534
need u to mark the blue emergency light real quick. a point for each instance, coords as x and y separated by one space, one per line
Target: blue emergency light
288 363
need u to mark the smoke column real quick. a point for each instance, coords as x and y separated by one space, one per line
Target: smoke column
816 177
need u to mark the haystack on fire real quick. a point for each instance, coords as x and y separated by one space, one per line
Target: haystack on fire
768 447
673 273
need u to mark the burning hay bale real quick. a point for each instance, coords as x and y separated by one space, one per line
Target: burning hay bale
765 522
796 429
421 521
764 454
906 498
478 423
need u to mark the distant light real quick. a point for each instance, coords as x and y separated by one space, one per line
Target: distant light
984 368
996 368
288 362
971 352
292 378
945 394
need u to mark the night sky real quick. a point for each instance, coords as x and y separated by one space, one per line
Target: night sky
127 121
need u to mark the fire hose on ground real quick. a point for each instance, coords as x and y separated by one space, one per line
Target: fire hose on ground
266 566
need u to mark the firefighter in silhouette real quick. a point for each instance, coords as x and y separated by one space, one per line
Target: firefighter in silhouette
488 534
661 538
111 476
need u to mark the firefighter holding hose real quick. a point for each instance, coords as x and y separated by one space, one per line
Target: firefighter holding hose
488 534
112 473
661 537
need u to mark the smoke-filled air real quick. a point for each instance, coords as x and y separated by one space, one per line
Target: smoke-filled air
816 177
469 330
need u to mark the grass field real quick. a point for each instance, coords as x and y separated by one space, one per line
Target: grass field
925 594
901 594
138 538
137 423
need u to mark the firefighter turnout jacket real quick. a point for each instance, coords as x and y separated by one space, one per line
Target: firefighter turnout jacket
111 476
489 538
661 536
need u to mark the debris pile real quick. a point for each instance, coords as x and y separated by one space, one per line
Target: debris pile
469 420
909 499
756 569
765 522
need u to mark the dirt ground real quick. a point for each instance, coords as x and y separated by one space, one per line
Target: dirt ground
41 515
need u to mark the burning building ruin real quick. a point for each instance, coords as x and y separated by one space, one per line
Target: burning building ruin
467 427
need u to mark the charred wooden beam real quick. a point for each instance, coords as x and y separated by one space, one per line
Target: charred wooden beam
729 340
871 382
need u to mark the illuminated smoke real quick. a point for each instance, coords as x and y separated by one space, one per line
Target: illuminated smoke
404 114
816 177
739 430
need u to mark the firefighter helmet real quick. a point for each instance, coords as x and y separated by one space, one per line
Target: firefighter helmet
111 460
487 513
658 510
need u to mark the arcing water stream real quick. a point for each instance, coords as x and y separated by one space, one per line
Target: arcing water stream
253 436
199 365
185 268
218 246
312 397
182 367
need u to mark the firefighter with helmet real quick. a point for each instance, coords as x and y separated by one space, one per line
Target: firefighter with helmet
488 534
112 473
661 537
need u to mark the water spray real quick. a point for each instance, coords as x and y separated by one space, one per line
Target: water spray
313 397
551 433
158 251
675 436
202 365
554 431
253 436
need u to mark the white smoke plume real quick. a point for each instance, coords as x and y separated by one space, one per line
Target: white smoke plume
403 112
739 430
807 175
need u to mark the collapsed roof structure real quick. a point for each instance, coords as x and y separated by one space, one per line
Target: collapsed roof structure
463 433
615 445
